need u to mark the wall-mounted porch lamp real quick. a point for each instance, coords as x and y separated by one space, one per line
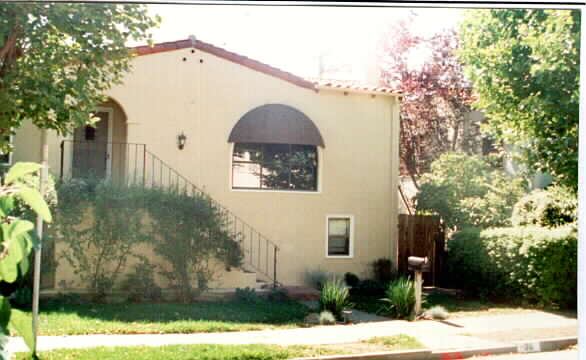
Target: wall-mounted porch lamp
181 139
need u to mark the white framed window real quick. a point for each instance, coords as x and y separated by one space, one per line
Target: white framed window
339 236
6 158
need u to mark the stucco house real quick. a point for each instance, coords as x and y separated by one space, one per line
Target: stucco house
216 119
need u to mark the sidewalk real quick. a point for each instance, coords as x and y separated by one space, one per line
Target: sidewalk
473 332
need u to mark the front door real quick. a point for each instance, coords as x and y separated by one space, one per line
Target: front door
91 150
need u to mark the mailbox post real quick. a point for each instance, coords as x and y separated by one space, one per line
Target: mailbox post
418 265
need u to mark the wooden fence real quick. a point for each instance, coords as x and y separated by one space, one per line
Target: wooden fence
422 235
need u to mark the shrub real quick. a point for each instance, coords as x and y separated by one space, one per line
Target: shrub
467 190
399 300
326 318
22 298
468 264
248 295
368 287
65 299
334 297
317 278
552 207
383 270
192 235
537 264
278 295
141 285
351 279
101 222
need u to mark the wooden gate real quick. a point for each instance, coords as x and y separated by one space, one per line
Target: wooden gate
422 235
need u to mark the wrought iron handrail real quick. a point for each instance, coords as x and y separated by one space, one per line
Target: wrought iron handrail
134 164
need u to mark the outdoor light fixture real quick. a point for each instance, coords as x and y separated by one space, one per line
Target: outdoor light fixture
181 138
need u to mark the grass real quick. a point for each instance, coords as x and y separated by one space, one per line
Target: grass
169 318
228 352
184 352
396 342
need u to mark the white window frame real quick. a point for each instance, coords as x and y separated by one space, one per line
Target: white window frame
351 240
11 142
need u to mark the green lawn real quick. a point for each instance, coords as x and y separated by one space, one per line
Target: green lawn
396 342
169 318
183 352
227 352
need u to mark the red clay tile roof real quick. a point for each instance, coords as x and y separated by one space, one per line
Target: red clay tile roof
313 84
352 85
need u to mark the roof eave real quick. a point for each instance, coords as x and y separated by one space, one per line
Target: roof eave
358 91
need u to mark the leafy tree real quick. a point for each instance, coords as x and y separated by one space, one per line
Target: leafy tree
57 60
16 243
467 190
524 65
436 96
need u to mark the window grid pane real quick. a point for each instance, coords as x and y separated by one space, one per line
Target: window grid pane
277 167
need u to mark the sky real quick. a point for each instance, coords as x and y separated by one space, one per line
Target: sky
293 38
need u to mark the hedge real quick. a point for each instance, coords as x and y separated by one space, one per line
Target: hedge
555 206
536 264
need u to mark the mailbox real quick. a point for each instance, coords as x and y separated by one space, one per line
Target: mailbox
418 264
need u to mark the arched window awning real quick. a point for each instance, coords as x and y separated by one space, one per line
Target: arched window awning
276 124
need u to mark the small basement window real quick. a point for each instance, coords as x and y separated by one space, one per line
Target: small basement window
340 231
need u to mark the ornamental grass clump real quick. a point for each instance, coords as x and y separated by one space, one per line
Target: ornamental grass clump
399 300
334 297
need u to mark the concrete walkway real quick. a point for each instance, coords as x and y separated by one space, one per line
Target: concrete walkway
457 333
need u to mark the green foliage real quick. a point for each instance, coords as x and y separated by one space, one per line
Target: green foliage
368 287
399 300
99 223
58 60
466 190
17 241
351 279
555 206
192 234
248 295
326 318
22 298
524 65
140 283
278 295
102 224
537 264
334 297
61 300
383 270
317 278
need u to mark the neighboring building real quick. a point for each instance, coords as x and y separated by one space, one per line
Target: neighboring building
216 118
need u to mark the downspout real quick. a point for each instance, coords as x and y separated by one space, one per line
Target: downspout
393 181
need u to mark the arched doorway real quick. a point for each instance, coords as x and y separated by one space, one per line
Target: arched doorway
101 150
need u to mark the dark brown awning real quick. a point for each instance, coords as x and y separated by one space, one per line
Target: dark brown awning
276 124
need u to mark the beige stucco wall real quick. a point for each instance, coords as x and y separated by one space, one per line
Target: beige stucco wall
204 96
